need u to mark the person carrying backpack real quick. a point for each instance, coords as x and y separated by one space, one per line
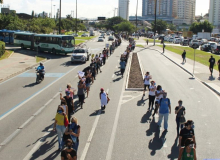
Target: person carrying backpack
164 111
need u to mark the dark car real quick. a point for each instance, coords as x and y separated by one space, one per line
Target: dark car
215 50
205 47
184 42
111 38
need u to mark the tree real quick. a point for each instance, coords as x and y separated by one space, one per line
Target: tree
199 26
113 21
32 14
124 27
160 26
172 27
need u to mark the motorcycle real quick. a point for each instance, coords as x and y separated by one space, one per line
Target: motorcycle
39 76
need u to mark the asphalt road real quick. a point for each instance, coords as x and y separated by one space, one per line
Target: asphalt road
125 130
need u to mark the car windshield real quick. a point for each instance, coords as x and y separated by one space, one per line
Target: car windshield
67 42
79 51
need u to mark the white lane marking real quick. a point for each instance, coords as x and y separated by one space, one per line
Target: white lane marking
9 138
107 90
112 139
113 75
86 148
26 122
116 67
36 94
29 155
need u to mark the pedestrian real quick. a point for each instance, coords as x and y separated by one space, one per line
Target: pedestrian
152 90
93 70
147 41
68 153
184 56
104 99
164 47
164 111
219 67
74 132
69 102
180 112
147 82
187 132
88 77
80 93
188 152
159 94
104 56
65 107
211 64
59 125
110 50
98 68
122 67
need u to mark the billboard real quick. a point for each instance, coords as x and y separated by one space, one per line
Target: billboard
188 34
101 18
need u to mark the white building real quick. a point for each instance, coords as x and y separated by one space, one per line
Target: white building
214 12
43 14
185 11
123 9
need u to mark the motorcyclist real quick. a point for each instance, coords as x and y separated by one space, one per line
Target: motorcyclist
40 69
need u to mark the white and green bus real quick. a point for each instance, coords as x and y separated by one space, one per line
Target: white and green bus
61 44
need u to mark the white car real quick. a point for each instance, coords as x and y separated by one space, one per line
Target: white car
171 39
80 55
192 42
176 40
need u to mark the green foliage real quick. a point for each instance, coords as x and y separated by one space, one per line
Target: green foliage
160 26
124 27
113 21
1 1
2 48
172 27
199 26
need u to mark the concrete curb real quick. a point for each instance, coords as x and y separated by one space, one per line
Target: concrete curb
11 54
128 70
23 70
207 85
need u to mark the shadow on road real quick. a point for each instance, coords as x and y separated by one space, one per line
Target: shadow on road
30 85
117 79
141 102
174 151
211 78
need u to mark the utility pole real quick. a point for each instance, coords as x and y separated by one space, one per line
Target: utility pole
155 21
76 16
60 19
136 14
54 11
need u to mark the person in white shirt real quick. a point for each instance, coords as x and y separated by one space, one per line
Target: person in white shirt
159 94
152 90
147 82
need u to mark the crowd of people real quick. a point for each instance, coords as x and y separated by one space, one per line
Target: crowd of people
158 97
66 124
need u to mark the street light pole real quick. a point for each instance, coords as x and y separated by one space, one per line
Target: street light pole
54 11
76 16
194 62
155 21
136 14
51 16
60 19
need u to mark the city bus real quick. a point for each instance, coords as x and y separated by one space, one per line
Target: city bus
60 44
7 36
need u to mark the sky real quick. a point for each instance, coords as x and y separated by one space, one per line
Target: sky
86 8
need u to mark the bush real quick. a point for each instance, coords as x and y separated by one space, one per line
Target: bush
2 48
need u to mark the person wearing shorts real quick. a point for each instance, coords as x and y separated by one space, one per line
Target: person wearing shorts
146 82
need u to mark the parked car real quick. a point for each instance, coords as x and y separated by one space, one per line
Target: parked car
176 40
75 35
199 42
84 35
111 38
80 55
215 49
100 39
103 35
212 39
204 41
192 42
184 42
205 47
171 39
212 44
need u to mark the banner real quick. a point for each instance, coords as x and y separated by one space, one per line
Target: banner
81 74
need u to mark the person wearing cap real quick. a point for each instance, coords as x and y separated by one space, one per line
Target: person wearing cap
152 90
188 152
187 132
69 102
103 97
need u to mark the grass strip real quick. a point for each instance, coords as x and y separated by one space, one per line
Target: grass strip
78 41
201 56
6 54
139 45
39 59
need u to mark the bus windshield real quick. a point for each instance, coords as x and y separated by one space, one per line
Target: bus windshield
68 42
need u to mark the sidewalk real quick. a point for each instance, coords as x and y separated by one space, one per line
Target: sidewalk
201 71
16 63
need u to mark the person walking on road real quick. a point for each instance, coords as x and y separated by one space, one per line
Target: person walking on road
104 100
164 111
80 93
122 66
219 67
65 107
59 125
211 64
188 152
180 112
184 57
147 41
147 82
187 132
88 77
68 153
164 47
70 89
159 94
152 90
69 102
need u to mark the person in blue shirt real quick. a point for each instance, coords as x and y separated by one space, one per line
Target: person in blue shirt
122 66
164 110
41 70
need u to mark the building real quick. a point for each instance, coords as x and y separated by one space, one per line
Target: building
43 14
123 8
214 12
24 16
6 10
185 12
